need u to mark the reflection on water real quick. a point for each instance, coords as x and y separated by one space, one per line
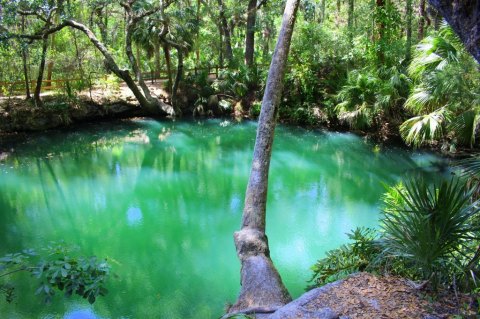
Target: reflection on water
81 314
134 216
161 201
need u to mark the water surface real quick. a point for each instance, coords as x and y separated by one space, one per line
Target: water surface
161 200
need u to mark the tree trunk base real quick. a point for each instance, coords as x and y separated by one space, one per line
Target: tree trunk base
262 287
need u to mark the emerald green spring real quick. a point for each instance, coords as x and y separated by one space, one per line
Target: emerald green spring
161 200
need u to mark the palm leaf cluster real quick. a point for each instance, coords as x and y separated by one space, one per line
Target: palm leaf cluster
430 226
368 95
445 99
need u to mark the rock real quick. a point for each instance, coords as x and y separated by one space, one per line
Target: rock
198 111
212 101
213 105
118 108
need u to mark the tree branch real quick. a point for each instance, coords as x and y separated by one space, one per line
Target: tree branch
32 13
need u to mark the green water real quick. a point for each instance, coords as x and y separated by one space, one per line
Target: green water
161 201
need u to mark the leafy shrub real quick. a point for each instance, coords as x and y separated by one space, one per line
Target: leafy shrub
58 269
348 258
255 109
430 231
371 95
237 82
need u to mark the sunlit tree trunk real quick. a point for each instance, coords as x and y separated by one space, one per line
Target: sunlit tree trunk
262 287
41 70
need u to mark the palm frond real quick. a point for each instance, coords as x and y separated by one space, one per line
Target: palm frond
428 223
465 126
424 128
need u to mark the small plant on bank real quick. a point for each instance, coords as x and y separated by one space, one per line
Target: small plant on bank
347 259
430 227
429 232
56 269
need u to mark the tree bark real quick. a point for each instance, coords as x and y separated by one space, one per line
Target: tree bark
25 64
197 49
250 32
422 14
156 106
168 62
134 62
351 8
158 65
226 33
321 16
41 70
25 74
408 44
50 62
178 77
380 5
262 286
464 17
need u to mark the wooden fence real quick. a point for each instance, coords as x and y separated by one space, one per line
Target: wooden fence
19 86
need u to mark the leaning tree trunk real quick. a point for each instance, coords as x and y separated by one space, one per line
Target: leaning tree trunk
464 17
150 105
41 70
262 288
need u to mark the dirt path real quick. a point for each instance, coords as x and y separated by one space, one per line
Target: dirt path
103 94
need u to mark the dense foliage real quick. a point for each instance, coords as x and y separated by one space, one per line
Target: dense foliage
387 66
